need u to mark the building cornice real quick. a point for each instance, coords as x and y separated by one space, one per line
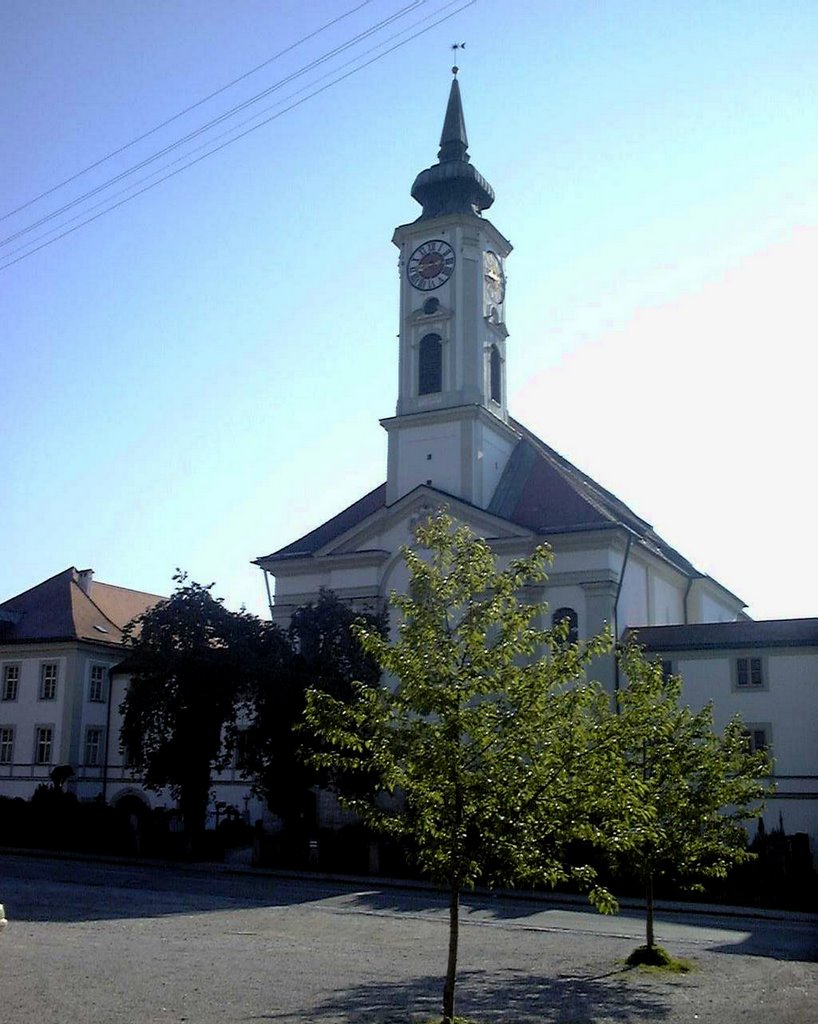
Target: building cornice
297 564
450 414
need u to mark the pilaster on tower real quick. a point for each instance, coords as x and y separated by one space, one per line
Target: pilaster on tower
451 424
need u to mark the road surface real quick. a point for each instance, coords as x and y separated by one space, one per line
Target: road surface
123 943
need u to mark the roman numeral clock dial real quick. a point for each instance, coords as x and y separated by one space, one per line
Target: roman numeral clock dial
430 265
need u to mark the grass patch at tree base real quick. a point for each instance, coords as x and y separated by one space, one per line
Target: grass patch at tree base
657 958
454 1020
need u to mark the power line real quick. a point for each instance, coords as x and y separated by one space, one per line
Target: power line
413 5
187 110
230 131
248 131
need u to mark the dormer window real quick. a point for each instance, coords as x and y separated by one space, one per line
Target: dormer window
430 365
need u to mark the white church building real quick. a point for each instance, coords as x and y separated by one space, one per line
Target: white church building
453 443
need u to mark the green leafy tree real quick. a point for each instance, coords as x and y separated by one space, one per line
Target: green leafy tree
493 751
698 787
320 651
192 662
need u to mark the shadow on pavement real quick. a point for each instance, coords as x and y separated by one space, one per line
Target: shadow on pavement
484 995
777 943
729 932
73 891
38 890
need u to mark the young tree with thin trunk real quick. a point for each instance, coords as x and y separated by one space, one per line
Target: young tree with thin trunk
698 787
493 750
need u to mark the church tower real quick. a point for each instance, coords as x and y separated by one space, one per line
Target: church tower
451 426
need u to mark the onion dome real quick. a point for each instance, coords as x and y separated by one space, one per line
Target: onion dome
452 185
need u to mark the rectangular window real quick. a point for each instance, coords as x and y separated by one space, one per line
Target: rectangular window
93 746
758 737
6 744
131 756
96 687
667 670
11 682
241 751
748 673
48 681
43 739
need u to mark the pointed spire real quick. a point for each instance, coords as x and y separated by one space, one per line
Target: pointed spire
453 185
453 139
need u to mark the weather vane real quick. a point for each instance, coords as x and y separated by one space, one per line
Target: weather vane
455 48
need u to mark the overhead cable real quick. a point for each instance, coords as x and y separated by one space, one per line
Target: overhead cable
305 69
216 149
187 110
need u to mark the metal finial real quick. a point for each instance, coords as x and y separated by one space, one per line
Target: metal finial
455 48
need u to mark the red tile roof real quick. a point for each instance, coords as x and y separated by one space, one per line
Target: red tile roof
60 609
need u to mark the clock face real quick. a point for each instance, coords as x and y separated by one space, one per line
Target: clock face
493 278
430 265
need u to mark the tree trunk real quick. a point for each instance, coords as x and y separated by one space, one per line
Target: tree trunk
194 797
451 970
649 911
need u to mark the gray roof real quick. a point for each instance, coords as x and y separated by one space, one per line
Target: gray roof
539 490
542 490
313 541
727 635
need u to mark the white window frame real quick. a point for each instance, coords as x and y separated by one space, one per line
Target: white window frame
48 681
6 744
749 686
40 741
96 686
751 728
97 733
439 366
11 668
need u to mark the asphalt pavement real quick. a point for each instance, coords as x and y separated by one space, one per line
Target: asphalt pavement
103 942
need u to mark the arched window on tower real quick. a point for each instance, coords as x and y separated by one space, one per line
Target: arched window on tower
569 616
496 385
430 365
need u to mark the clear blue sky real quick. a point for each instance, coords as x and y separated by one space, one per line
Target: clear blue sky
195 378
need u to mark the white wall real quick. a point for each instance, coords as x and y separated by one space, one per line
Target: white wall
28 712
787 704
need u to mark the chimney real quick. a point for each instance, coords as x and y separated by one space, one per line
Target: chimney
85 577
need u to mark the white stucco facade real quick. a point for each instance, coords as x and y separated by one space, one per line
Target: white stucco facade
766 672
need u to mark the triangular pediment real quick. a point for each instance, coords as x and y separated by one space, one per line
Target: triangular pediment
368 535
